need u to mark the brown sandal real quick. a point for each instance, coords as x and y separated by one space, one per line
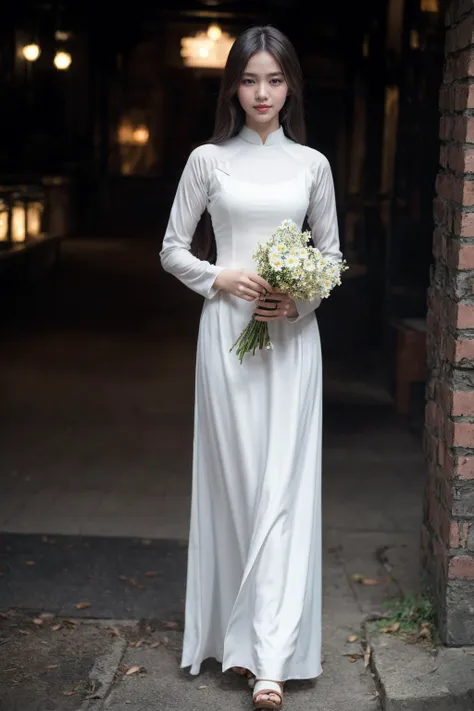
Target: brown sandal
266 687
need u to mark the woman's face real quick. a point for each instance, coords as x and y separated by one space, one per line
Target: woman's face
262 91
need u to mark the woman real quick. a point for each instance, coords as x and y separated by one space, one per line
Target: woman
253 598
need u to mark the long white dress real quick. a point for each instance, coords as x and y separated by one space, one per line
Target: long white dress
253 596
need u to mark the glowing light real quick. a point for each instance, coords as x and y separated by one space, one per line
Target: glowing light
34 212
141 135
3 221
18 224
207 49
214 32
62 60
31 52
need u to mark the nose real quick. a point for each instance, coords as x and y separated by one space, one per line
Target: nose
261 91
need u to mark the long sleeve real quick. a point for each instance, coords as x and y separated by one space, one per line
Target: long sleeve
322 219
189 204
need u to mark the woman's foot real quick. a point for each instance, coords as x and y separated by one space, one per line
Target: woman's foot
268 694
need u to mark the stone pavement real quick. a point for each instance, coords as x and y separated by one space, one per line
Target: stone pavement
97 384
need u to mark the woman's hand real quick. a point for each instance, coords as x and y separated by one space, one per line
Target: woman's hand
242 283
267 310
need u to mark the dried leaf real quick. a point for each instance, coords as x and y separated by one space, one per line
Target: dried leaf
151 573
357 577
166 640
353 638
393 628
72 621
68 693
4 615
37 621
82 605
370 581
24 631
367 654
131 644
353 656
133 670
116 632
155 644
203 686
29 562
47 615
52 666
139 643
123 577
55 628
170 625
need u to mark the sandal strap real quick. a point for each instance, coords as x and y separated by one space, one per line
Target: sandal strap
264 686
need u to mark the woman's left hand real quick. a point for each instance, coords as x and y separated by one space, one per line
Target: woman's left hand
275 306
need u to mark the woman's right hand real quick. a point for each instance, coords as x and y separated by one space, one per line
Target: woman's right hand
242 283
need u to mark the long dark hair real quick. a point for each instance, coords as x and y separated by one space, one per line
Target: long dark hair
230 117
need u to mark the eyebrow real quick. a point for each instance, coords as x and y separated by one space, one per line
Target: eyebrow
271 74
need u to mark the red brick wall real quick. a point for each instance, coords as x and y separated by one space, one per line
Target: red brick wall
448 528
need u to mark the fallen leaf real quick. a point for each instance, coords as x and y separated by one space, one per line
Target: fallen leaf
353 638
357 577
115 631
47 615
123 577
148 629
165 640
393 628
353 656
203 686
133 670
68 693
82 605
24 631
367 654
131 644
151 573
170 625
55 628
52 666
139 643
30 562
370 581
4 615
37 621
72 621
157 644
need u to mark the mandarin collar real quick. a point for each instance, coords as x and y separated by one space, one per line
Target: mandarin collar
251 136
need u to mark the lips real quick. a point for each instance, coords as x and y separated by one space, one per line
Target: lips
263 107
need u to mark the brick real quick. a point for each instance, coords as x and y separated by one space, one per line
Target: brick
465 316
459 36
445 185
463 223
454 538
462 350
446 126
467 162
464 256
464 468
459 434
461 567
462 403
456 11
463 192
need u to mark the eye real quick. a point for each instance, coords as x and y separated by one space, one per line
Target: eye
277 81
247 82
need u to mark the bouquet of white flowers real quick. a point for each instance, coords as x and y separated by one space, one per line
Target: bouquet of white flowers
301 271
